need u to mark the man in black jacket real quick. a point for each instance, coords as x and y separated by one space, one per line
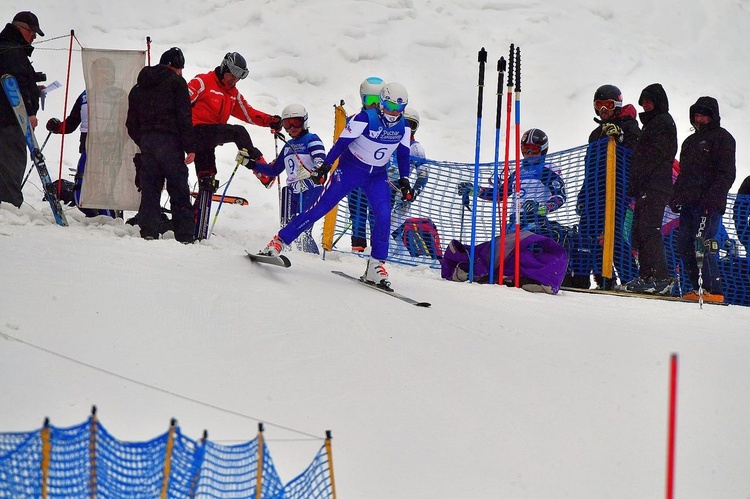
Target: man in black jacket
15 50
160 123
707 172
617 120
651 185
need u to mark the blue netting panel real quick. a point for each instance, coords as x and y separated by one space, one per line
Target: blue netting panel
313 483
70 461
578 224
184 466
20 464
129 469
231 471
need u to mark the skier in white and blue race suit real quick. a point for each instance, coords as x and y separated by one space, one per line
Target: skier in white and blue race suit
302 154
363 150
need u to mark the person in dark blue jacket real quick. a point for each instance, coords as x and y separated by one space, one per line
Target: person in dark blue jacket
707 172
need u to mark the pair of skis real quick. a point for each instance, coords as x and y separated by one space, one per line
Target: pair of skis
283 261
13 93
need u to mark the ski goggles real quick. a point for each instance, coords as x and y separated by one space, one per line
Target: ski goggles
391 106
293 122
238 72
531 150
370 100
609 104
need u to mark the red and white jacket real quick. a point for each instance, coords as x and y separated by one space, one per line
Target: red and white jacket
213 103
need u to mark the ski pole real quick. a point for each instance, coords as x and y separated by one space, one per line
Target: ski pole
517 195
498 115
346 229
699 255
221 201
506 169
482 59
49 134
278 184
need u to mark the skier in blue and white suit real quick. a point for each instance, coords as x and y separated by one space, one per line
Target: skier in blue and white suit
364 150
301 155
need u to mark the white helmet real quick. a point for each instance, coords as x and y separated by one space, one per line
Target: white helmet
412 118
370 87
295 111
393 97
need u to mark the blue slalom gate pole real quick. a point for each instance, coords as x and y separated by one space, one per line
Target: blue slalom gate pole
495 179
472 250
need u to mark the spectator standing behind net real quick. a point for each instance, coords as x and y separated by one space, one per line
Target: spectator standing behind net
15 51
159 122
651 185
619 121
707 172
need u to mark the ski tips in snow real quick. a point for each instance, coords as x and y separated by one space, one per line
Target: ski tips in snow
281 260
398 296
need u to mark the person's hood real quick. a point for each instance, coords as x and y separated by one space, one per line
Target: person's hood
152 76
707 106
656 94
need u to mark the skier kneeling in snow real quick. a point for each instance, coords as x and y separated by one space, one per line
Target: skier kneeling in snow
364 150
301 155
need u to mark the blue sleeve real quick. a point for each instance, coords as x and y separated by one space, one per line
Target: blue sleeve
274 168
402 157
556 186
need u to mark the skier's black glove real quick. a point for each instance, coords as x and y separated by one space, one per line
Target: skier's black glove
319 176
407 193
275 123
54 125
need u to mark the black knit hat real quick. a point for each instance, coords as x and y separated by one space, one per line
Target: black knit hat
30 19
173 57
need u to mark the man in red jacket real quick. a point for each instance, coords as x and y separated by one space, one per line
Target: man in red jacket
215 98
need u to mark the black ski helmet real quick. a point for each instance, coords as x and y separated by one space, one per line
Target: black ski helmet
608 92
234 63
536 137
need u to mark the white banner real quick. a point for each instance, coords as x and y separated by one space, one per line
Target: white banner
109 177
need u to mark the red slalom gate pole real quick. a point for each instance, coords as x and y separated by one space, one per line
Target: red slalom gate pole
672 425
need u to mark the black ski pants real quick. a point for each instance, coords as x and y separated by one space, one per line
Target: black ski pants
208 137
647 238
163 159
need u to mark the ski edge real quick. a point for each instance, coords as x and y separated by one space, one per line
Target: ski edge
398 296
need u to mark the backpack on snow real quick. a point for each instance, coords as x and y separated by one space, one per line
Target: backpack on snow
421 238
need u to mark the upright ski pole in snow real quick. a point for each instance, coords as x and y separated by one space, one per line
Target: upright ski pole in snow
495 180
517 194
700 246
221 201
31 169
472 250
506 169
